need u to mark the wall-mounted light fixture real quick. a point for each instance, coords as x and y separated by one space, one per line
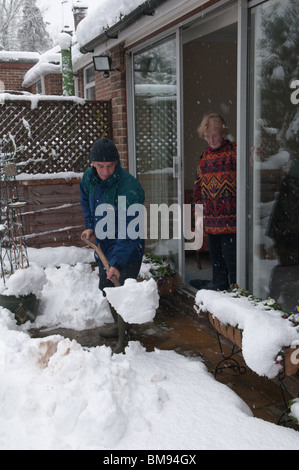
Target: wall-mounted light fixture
103 64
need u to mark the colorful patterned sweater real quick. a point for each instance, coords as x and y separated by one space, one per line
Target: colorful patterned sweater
215 188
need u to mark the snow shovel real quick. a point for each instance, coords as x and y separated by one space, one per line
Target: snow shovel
103 259
122 325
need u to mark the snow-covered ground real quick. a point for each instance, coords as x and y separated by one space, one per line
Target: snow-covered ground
55 394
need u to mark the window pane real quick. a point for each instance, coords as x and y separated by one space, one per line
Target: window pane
89 75
274 157
90 93
156 130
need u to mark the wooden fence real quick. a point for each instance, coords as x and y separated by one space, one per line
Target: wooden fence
51 143
53 215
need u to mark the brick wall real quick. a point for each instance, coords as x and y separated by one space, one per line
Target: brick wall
80 76
114 88
53 84
12 74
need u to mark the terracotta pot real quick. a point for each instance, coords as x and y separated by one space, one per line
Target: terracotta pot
217 325
238 337
229 332
24 307
223 330
211 319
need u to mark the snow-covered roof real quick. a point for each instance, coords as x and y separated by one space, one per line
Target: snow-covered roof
102 16
110 22
48 62
19 56
109 13
79 4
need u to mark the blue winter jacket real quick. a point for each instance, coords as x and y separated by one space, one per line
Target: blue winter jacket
104 211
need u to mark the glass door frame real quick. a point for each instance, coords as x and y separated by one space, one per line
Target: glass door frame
241 131
175 32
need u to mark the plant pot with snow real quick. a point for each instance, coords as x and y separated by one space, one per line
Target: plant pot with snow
267 333
238 337
159 268
21 293
24 307
230 332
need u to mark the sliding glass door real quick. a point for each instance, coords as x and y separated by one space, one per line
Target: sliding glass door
273 163
156 144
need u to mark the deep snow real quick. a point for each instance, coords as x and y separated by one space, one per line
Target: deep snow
55 394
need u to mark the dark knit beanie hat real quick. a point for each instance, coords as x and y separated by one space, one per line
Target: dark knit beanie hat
104 150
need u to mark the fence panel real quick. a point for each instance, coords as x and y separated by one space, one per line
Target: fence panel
53 136
53 216
50 138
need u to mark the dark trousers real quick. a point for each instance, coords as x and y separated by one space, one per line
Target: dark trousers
222 249
129 271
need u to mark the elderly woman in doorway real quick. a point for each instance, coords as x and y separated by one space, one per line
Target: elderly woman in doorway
215 188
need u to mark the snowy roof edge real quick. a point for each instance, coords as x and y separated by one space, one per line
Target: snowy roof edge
146 8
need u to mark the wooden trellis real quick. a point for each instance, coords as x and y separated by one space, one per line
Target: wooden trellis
13 250
47 137
53 136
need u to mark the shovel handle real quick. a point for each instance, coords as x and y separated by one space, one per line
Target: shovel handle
103 258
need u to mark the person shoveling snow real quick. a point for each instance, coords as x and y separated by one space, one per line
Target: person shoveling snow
108 191
123 305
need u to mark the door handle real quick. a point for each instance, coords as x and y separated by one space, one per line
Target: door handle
176 167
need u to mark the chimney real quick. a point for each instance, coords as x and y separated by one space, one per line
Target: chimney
79 12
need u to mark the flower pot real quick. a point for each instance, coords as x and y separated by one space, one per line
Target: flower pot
211 319
229 332
167 285
24 307
238 337
217 325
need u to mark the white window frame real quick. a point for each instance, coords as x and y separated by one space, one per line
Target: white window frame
88 85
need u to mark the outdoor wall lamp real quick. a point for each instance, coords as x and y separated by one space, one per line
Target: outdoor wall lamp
103 64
